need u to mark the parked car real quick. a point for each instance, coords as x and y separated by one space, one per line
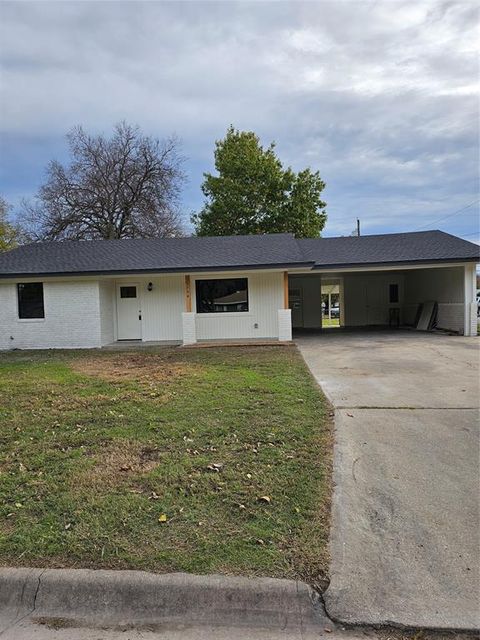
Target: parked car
335 312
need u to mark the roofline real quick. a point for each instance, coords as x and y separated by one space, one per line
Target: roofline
359 265
112 272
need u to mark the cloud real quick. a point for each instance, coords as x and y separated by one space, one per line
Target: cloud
380 96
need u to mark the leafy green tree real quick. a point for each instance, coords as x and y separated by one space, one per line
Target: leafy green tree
9 233
253 193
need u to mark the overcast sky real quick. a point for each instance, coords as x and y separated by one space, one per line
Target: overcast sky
381 96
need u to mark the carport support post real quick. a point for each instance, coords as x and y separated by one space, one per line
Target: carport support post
188 318
470 314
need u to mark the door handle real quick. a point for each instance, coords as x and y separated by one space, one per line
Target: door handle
140 316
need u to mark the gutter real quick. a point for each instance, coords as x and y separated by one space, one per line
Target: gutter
113 272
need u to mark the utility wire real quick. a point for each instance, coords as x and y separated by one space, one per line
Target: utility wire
352 217
449 215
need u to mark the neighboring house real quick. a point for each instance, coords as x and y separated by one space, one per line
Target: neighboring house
90 294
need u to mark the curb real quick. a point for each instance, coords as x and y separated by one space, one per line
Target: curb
103 597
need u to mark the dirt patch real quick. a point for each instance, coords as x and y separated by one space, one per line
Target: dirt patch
149 369
118 461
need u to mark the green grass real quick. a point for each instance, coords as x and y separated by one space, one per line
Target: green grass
95 447
333 322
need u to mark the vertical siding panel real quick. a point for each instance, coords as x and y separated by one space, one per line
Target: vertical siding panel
265 291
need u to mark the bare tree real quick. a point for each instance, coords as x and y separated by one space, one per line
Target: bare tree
126 186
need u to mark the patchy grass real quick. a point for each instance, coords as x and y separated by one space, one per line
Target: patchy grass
231 446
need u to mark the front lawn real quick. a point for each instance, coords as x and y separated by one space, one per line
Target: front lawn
199 460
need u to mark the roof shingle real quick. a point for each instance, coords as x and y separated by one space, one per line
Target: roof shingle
232 252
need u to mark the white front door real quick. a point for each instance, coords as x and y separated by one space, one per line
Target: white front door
129 312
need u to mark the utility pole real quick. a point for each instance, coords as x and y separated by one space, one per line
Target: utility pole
358 227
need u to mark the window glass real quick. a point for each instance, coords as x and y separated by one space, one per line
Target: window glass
30 300
128 292
222 296
393 293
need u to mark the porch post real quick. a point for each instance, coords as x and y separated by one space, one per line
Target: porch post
188 317
285 314
470 304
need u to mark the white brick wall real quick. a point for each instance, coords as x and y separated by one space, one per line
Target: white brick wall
188 325
107 311
72 317
284 325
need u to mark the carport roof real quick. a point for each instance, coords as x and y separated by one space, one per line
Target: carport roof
392 248
232 253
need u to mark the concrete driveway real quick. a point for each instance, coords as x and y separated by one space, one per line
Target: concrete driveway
405 537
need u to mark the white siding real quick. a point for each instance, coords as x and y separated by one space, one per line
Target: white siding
107 311
445 286
72 317
311 288
162 308
366 297
265 298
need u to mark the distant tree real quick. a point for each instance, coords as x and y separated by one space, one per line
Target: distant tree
10 234
253 193
126 186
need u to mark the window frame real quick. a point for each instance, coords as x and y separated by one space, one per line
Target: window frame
393 286
229 314
32 318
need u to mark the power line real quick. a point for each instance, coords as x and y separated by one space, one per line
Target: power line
449 215
333 219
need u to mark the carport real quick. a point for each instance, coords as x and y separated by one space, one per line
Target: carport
383 281
389 298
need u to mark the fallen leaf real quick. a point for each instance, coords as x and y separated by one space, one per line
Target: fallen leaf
266 499
350 415
215 467
67 526
162 517
19 505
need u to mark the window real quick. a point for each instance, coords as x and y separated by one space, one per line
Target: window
30 300
128 292
222 296
393 293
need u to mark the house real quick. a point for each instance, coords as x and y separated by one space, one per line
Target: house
94 293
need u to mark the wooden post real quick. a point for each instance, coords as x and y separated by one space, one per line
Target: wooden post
285 289
188 295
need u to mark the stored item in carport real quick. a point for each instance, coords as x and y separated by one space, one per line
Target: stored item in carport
427 316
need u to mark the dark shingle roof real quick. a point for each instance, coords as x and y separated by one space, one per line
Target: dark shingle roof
232 252
391 248
152 255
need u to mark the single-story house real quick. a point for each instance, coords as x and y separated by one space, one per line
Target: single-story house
76 294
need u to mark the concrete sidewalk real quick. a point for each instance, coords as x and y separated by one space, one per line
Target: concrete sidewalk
405 540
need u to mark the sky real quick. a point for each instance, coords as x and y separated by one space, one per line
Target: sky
380 96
